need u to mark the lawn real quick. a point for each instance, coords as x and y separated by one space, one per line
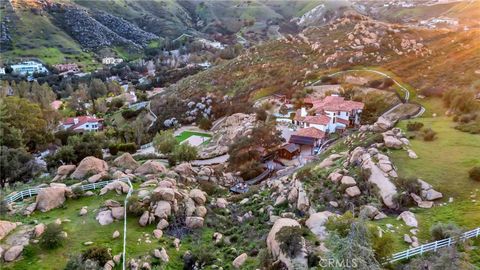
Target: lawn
187 134
444 163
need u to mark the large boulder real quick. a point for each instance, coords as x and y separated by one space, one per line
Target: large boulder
353 191
50 198
118 213
89 166
39 229
316 224
126 161
150 167
163 209
184 170
166 194
409 218
392 142
431 195
198 196
6 227
63 171
104 217
382 124
300 261
13 253
194 222
385 187
144 219
240 260
118 186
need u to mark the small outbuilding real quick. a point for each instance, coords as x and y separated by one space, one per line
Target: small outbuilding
289 151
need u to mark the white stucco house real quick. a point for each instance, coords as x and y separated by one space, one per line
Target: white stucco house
28 68
82 124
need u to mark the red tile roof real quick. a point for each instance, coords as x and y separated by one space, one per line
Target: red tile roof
310 132
335 103
81 120
317 119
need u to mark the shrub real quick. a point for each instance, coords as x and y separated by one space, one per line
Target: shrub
113 149
135 206
471 127
409 185
441 231
127 147
165 141
52 237
429 134
474 173
204 123
414 126
98 254
3 208
184 152
341 224
382 245
290 239
75 263
261 115
129 113
78 191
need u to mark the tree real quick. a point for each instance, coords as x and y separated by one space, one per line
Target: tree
184 152
42 94
139 128
96 89
164 141
28 118
9 136
354 249
15 165
245 153
78 99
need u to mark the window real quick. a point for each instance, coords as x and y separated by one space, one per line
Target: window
86 126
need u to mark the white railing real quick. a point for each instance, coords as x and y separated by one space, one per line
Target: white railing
34 191
433 246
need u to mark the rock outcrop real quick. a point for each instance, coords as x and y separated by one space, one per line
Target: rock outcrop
50 198
231 129
150 167
90 166
300 261
126 161
6 227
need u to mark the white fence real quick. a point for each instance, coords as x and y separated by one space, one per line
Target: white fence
433 246
34 191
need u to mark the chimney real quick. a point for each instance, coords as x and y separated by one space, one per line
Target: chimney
75 120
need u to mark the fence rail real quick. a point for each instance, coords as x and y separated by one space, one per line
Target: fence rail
433 246
34 191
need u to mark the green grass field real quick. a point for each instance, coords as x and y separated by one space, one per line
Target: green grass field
444 163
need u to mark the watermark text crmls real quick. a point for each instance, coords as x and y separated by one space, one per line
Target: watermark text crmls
338 263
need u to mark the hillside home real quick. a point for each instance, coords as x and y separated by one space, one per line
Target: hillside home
67 68
111 61
82 124
320 117
28 68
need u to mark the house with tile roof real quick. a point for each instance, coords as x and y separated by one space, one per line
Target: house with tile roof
82 123
320 117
